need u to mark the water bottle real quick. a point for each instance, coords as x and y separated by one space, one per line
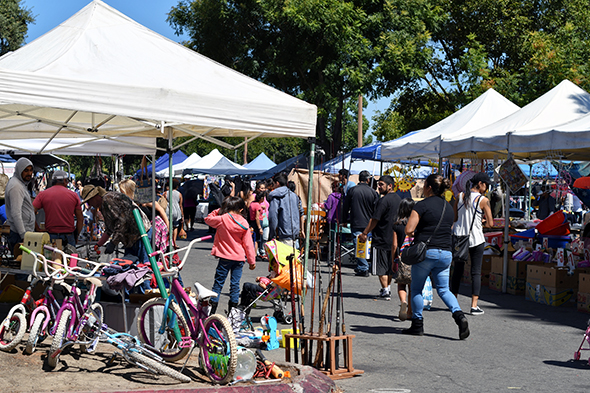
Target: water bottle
246 366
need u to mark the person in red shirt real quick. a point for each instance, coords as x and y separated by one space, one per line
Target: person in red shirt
63 214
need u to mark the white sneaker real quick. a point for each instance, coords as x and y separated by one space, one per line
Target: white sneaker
476 311
384 294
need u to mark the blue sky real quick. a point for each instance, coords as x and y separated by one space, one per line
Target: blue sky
150 13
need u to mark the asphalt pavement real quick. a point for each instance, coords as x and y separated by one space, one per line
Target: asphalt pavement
517 345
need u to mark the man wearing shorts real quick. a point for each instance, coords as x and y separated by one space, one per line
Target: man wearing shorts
381 224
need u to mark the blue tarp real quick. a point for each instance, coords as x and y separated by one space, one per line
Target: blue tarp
300 161
260 163
162 162
369 152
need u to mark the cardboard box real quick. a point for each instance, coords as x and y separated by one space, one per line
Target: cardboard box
516 286
495 282
584 302
496 264
547 295
551 277
584 282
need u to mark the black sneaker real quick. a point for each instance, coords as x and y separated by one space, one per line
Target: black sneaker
364 273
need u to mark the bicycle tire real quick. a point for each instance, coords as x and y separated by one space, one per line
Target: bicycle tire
12 331
157 367
222 351
34 333
60 333
98 311
149 320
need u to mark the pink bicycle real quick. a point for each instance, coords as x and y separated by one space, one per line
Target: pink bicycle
174 325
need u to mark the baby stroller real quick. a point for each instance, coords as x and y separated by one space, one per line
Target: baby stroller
278 290
578 353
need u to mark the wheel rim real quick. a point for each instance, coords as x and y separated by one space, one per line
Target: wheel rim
10 330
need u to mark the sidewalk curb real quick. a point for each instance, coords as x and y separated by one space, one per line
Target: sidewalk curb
309 380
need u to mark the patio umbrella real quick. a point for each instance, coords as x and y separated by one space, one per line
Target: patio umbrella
582 182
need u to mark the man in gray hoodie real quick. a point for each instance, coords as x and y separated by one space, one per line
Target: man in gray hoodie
20 212
285 212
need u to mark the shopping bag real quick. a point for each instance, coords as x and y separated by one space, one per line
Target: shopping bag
427 293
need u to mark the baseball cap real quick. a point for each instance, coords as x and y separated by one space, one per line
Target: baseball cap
59 175
481 177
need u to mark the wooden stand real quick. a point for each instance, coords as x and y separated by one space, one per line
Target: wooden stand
333 372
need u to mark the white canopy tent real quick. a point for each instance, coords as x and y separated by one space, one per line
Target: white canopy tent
101 75
488 108
564 103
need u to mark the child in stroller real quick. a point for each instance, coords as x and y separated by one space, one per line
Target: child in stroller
267 291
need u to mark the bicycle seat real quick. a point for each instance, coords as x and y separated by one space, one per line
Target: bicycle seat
204 293
93 280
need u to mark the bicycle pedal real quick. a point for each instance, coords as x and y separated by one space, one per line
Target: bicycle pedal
186 342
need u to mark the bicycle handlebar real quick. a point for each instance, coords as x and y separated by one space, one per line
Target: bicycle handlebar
76 270
187 248
57 274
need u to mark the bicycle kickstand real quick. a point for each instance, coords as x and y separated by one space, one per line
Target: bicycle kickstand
192 346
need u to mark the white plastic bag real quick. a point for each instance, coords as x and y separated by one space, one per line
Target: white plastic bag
427 293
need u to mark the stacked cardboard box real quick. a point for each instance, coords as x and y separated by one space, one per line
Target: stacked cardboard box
584 292
550 285
517 270
485 271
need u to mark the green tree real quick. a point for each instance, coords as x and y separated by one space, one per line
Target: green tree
520 48
323 51
14 21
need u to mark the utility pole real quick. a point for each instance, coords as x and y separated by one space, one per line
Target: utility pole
360 122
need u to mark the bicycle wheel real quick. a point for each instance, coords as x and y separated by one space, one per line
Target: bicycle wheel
12 331
149 320
156 367
35 333
219 353
60 334
89 332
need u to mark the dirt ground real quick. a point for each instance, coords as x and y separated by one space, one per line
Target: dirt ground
81 372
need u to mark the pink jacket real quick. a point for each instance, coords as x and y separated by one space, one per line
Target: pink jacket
232 241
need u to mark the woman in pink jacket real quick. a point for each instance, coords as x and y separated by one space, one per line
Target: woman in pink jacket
233 246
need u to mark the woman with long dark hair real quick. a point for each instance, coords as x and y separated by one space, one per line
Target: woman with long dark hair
422 225
470 208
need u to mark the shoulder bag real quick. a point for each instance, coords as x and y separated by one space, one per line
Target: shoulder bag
461 242
416 252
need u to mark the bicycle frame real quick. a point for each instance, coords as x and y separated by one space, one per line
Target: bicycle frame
194 315
27 303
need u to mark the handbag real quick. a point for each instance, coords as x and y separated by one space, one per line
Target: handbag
3 182
461 242
416 252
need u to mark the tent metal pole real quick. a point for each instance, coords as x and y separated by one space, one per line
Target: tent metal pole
170 174
308 216
529 200
154 200
506 226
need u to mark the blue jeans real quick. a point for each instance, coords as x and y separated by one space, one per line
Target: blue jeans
139 250
437 263
362 264
224 267
66 238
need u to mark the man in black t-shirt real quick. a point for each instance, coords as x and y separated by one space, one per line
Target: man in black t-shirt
358 209
381 224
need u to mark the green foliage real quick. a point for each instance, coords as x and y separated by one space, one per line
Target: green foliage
14 21
520 48
326 52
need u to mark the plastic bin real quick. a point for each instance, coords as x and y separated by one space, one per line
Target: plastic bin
555 241
560 230
551 222
524 236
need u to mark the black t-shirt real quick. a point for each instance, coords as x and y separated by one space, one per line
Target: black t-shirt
386 214
430 210
359 205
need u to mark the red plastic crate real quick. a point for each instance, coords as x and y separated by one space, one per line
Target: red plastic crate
551 222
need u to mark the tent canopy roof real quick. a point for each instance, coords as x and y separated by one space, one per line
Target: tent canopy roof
261 163
488 108
564 103
100 74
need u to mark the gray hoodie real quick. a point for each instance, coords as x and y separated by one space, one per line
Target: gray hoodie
19 208
284 214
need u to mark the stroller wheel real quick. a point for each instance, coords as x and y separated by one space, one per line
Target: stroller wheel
288 319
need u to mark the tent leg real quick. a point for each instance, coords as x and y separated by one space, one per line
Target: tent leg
308 214
170 174
506 236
